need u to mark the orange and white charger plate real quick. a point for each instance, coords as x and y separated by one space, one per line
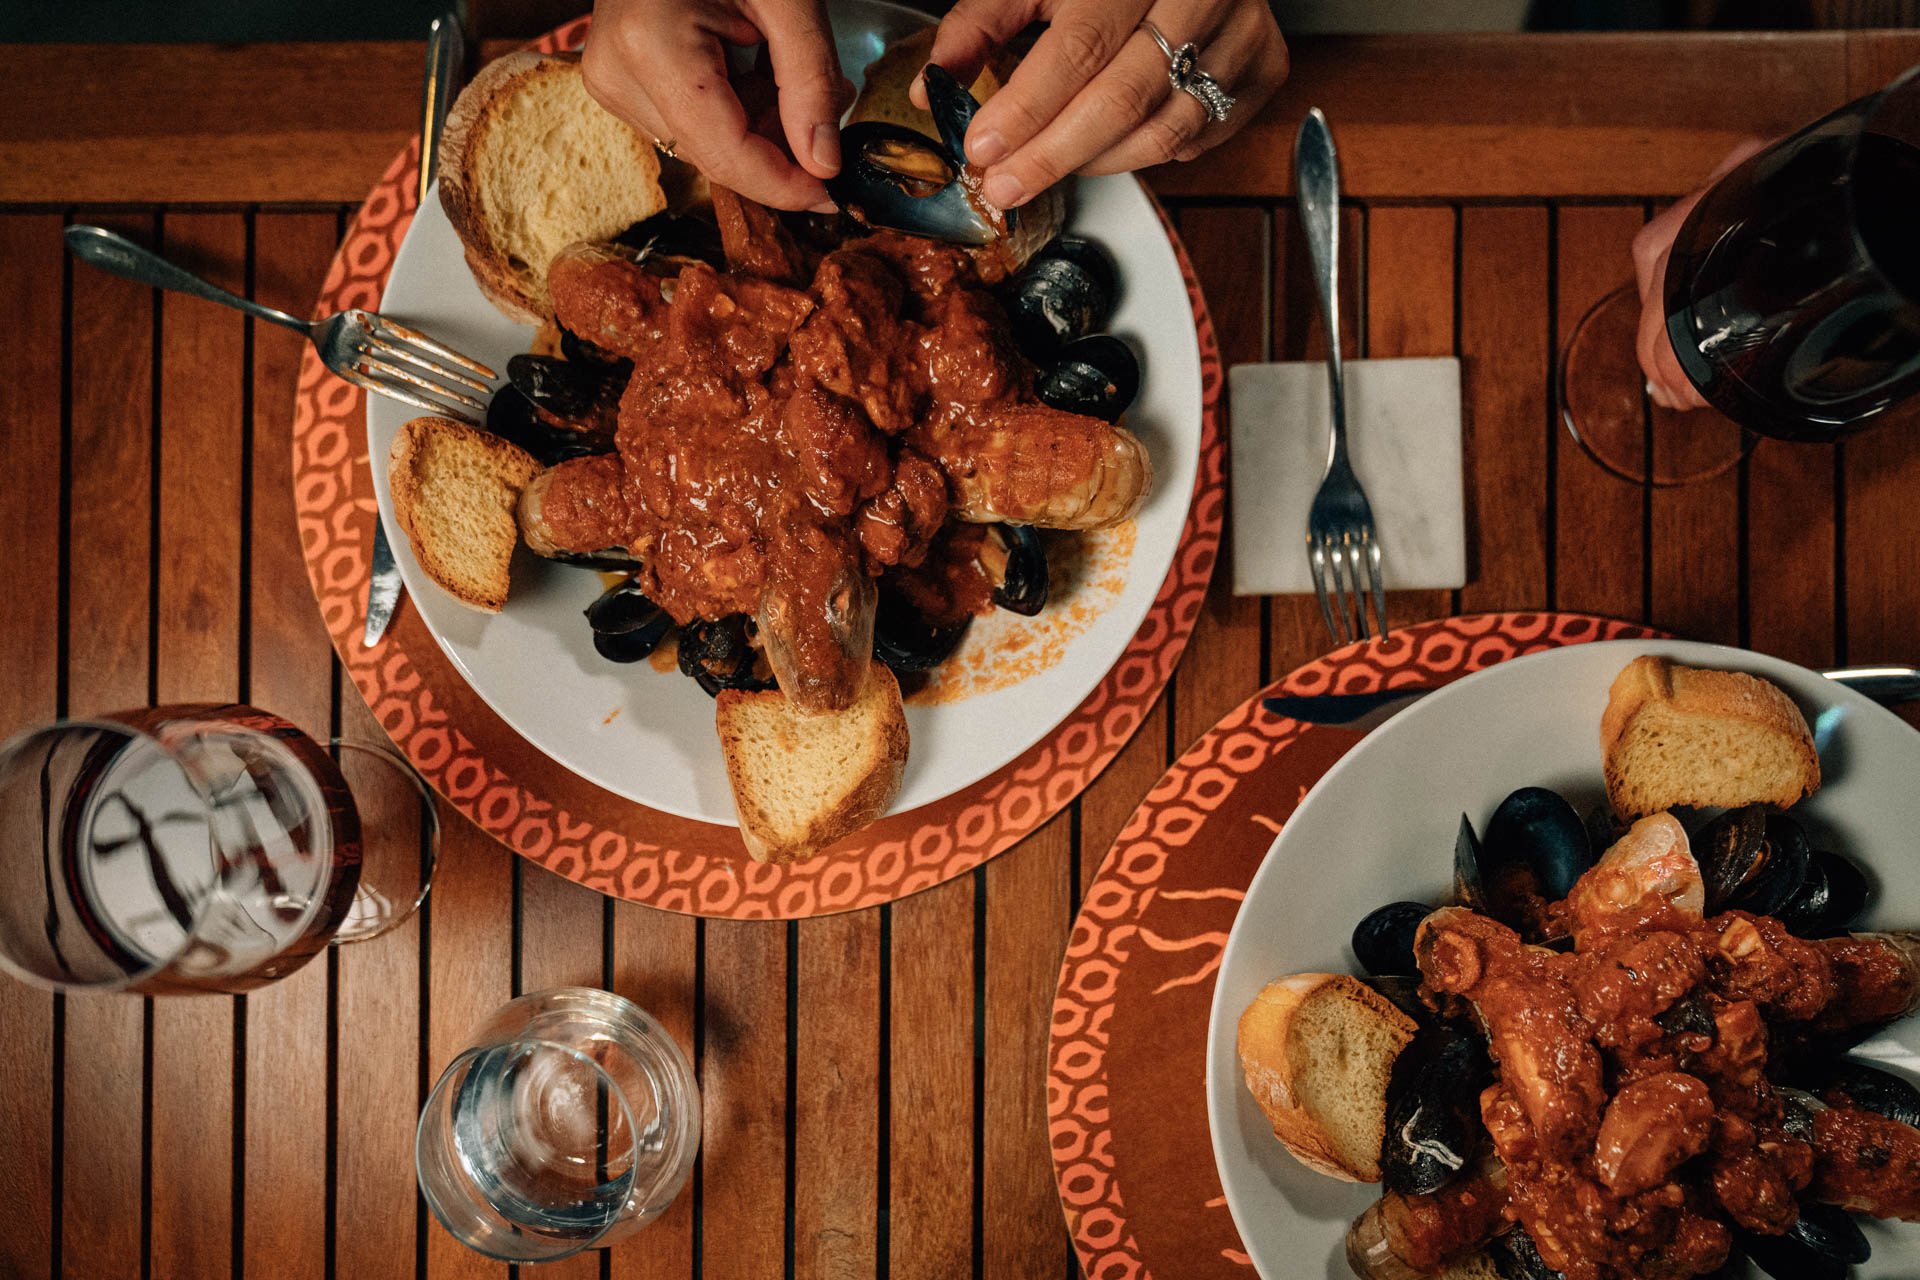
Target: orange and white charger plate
1126 1097
553 815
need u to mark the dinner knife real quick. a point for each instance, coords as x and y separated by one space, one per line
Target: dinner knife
446 54
1885 685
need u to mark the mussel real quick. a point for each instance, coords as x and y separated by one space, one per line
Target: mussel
1433 1109
1516 1257
718 655
627 626
905 640
1821 1245
1536 848
1015 561
513 418
1831 898
1097 376
1065 292
1403 992
1753 859
1871 1089
571 395
1383 940
898 178
674 239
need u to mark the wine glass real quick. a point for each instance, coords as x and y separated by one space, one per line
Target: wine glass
570 1123
1792 297
193 848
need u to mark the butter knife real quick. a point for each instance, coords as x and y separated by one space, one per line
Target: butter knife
446 54
1887 686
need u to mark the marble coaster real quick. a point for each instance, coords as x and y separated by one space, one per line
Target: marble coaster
1403 434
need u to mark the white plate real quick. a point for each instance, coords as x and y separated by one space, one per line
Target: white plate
534 663
1380 827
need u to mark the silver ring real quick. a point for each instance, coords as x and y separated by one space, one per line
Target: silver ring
1184 75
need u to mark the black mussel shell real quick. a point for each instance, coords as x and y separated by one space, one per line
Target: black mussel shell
951 107
627 626
1403 991
1469 890
1820 1246
1829 900
611 560
1065 292
1603 829
675 236
718 655
1015 561
571 395
1871 1089
894 177
1383 940
580 351
1097 376
1753 859
1797 1111
1516 1257
906 641
1535 827
1433 1110
512 417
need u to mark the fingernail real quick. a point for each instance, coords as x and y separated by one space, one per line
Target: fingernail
986 148
825 206
917 91
826 146
1004 191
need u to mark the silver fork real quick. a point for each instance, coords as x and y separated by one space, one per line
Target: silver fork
366 349
1340 538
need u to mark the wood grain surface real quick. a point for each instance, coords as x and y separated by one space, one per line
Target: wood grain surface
872 1083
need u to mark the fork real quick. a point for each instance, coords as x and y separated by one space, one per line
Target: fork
1340 537
366 349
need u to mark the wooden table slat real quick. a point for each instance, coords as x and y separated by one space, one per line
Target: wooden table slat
30 445
743 1078
836 1097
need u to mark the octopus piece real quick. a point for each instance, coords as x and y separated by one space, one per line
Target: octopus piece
1867 1163
1758 959
1650 1127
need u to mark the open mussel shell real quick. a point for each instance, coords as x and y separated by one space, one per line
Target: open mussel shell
1820 1246
1403 992
1753 859
512 417
1065 292
1383 940
580 351
905 640
1097 376
1535 848
1433 1110
894 177
1871 1089
719 656
1516 1257
627 626
1015 561
673 239
571 395
1833 896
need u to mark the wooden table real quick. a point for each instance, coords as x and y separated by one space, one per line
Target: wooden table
873 1081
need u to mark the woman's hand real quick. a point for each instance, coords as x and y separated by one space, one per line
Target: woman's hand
1093 95
1667 383
661 66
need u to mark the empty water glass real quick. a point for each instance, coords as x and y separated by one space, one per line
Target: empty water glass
570 1123
198 848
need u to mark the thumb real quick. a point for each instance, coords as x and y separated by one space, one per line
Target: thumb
807 70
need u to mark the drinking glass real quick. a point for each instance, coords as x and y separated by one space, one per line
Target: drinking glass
1792 298
570 1123
194 848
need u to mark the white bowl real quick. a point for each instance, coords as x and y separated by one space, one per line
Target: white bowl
1380 827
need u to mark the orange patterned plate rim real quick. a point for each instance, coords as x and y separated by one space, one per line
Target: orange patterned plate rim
610 844
1127 1115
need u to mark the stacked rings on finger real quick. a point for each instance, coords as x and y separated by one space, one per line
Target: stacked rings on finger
1184 74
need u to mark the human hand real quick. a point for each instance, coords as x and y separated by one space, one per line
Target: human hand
661 66
1667 383
1093 96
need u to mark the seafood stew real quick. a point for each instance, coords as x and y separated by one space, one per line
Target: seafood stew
1641 1073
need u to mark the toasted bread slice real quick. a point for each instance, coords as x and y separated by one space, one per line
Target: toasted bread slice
801 781
887 79
1317 1049
454 490
529 163
1675 735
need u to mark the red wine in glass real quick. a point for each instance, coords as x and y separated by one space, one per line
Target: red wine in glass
1793 289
